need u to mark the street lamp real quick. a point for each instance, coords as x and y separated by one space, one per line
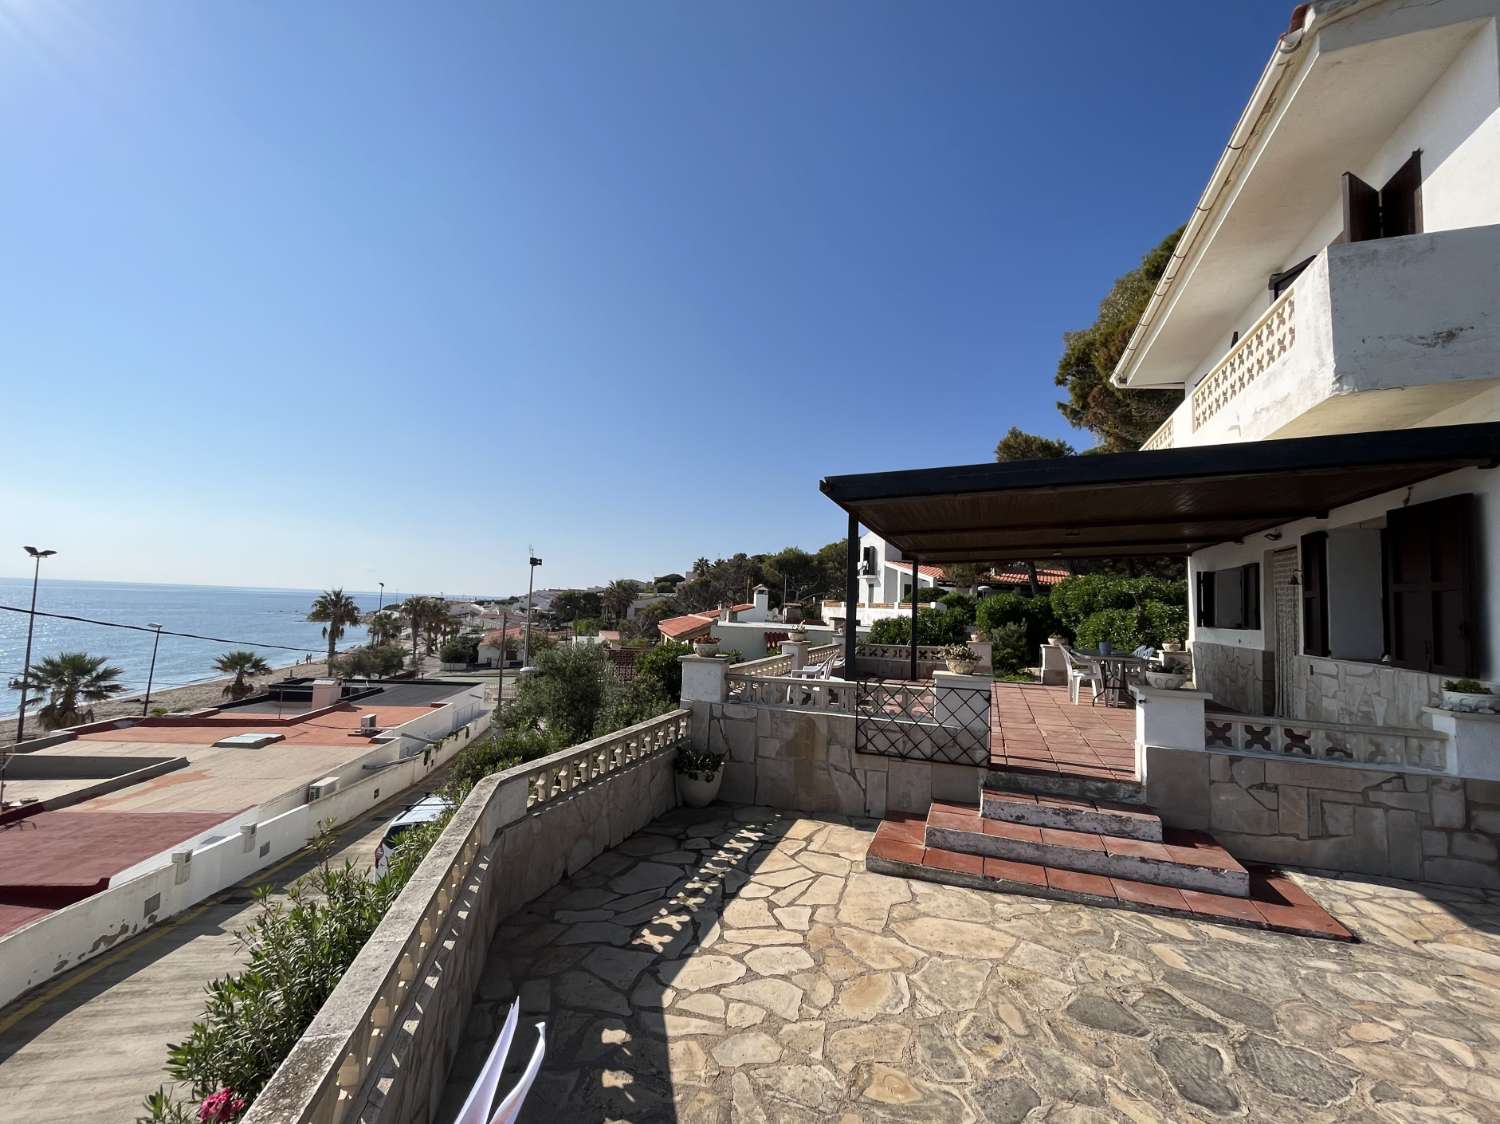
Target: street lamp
381 604
532 562
37 556
151 675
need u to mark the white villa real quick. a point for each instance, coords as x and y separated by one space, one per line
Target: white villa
1331 318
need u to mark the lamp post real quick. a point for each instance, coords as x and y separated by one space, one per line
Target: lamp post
532 563
151 675
381 603
37 556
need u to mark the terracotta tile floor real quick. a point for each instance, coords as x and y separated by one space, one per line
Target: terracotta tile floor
1036 728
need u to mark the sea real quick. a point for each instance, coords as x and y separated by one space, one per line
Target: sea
272 622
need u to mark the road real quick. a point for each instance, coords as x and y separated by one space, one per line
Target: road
89 1045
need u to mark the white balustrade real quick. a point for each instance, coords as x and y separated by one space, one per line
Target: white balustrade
1382 746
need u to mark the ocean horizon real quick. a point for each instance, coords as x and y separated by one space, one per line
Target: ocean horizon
269 621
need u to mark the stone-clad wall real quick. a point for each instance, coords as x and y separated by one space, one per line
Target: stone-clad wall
1243 679
1362 694
1399 824
805 760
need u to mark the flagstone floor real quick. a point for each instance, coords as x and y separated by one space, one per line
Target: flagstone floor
740 965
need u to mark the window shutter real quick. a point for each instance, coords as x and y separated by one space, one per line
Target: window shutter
1401 200
1361 209
1431 604
1315 593
1251 594
1205 599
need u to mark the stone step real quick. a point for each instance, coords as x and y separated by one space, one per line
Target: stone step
1274 902
1099 818
1046 782
1185 860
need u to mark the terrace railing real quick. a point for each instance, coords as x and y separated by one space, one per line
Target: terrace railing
1268 339
1402 747
789 692
371 1049
923 721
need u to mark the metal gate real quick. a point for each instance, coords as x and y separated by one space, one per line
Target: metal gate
923 722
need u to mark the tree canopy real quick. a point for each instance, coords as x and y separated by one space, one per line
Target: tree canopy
1120 419
1018 445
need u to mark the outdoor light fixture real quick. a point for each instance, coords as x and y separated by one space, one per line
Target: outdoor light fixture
151 675
37 556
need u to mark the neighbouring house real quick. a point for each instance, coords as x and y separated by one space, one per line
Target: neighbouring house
1331 318
751 628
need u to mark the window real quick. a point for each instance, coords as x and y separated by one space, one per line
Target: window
1430 579
1229 598
1394 210
869 565
1315 593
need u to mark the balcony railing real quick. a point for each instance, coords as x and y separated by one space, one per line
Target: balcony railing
1271 337
1391 746
1161 439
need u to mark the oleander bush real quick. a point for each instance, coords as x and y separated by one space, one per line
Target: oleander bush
1007 607
1127 612
934 626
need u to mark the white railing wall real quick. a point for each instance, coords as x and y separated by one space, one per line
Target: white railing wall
1389 747
380 1047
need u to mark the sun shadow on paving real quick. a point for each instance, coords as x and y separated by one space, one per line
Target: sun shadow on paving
629 964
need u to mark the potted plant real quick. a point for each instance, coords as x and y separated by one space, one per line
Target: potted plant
699 774
1165 677
1469 696
1173 644
1057 640
798 633
706 646
960 658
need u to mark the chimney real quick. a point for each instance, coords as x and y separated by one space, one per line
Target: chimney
762 600
725 613
325 693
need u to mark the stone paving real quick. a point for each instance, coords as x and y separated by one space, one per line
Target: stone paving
740 965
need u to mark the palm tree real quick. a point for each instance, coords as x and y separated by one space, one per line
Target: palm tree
66 683
618 597
240 664
385 627
337 611
424 615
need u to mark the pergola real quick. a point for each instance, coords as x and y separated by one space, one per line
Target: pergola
1171 501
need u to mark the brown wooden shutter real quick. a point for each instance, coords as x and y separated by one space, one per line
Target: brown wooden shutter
1401 200
1205 599
1315 593
1431 604
1361 209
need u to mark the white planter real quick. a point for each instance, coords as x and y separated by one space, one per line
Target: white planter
700 791
1165 680
960 667
705 647
1465 702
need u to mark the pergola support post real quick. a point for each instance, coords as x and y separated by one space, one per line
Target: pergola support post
851 596
914 579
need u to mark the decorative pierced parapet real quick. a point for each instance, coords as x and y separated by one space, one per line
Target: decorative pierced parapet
1161 439
1271 337
927 653
367 1055
787 692
767 665
1396 746
555 775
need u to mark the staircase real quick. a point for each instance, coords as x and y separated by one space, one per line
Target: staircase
1089 840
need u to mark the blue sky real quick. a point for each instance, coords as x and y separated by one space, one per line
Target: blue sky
317 294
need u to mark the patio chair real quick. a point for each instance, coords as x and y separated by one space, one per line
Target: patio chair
476 1108
1083 670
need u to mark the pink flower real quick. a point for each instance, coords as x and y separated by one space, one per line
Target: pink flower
221 1107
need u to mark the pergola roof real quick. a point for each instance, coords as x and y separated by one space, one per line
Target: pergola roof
1172 501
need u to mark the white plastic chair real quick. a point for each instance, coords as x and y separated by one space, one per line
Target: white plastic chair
476 1109
1083 670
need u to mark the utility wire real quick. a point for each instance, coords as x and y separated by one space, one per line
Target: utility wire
164 631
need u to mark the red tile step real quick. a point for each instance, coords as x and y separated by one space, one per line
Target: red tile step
1273 902
1187 860
1076 784
1101 818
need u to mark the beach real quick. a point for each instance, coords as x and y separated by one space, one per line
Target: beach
193 696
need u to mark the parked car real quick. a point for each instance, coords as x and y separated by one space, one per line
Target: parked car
425 810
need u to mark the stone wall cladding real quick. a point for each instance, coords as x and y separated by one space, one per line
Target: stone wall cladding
806 761
1366 821
1243 679
1362 694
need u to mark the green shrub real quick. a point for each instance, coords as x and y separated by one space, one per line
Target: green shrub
658 668
1121 627
1009 607
934 626
1010 648
460 649
566 694
961 603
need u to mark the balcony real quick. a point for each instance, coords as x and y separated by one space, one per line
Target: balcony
1374 335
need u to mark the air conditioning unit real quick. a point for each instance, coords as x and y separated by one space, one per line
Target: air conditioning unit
369 723
325 787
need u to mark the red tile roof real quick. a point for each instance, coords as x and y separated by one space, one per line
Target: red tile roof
689 625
